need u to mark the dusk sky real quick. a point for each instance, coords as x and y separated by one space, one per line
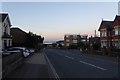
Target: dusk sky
53 20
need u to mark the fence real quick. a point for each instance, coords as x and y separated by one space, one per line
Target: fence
11 62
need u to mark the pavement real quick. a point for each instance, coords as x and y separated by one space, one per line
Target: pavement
34 67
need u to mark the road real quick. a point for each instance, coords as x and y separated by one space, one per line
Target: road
74 64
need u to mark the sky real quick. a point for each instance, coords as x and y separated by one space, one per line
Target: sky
53 20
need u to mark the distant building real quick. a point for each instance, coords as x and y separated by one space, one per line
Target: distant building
5 37
110 33
74 39
19 36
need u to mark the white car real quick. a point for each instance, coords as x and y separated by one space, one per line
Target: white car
25 51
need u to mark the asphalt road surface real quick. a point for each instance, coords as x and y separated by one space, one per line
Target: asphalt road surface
74 64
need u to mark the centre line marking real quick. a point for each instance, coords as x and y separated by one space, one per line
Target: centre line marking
93 65
69 57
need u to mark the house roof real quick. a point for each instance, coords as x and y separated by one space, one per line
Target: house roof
106 24
18 36
16 29
3 16
116 20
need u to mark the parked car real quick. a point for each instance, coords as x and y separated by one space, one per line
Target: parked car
32 51
1 51
9 52
25 51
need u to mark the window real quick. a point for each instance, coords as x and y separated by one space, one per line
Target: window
74 41
74 36
103 33
67 40
116 44
5 29
103 44
83 40
116 31
67 36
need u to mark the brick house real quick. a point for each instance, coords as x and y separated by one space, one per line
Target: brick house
24 39
5 37
105 33
110 33
116 32
19 36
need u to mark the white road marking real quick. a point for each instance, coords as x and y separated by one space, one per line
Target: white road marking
85 62
93 65
52 68
69 57
97 59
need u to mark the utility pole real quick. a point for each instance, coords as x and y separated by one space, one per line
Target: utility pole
95 34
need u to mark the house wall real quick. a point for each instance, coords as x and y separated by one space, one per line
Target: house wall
116 37
18 41
112 38
103 38
67 40
8 41
6 23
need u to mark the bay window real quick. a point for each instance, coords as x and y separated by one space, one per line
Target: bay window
116 31
103 33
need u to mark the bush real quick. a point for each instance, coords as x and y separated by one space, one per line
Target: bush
72 47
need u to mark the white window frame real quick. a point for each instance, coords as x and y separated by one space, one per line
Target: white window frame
103 43
75 41
104 33
116 31
67 40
